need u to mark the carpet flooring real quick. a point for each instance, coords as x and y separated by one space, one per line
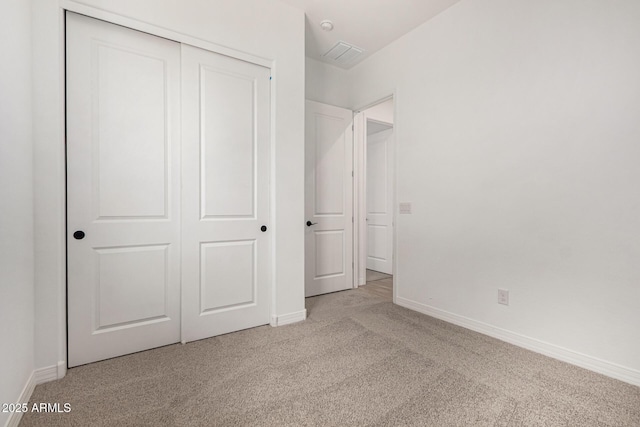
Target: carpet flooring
357 360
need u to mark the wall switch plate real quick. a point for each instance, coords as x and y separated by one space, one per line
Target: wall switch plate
503 296
405 208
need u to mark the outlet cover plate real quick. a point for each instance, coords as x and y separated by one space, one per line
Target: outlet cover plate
503 296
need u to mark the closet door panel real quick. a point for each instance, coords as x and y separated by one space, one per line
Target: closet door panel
123 190
226 267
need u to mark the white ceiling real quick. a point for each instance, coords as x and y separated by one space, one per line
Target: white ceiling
367 24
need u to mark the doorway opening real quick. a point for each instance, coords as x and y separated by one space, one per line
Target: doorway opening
376 199
349 198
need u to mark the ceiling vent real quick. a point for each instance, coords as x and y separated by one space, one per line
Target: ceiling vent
343 53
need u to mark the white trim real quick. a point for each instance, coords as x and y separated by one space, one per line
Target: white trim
15 417
39 376
394 178
46 374
135 24
591 363
61 149
359 195
379 100
289 318
62 369
359 270
273 214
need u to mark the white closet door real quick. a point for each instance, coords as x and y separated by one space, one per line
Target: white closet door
123 183
380 202
226 268
329 200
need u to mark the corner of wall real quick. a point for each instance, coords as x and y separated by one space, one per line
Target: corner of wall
326 84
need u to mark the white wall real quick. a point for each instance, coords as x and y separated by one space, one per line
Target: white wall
262 28
518 141
49 184
326 83
16 203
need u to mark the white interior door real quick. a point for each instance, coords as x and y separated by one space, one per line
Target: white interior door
379 218
123 182
226 268
329 199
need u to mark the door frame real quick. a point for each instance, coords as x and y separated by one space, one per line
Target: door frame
359 190
65 6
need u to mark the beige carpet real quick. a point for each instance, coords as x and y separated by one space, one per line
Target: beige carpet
357 360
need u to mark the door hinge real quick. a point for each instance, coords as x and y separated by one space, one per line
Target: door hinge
351 174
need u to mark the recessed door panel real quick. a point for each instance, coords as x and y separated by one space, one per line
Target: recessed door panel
376 175
227 275
132 285
328 204
329 253
123 190
330 156
228 143
130 89
377 242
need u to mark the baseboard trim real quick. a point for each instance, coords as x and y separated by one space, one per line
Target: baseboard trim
62 369
39 376
591 363
44 375
15 417
289 318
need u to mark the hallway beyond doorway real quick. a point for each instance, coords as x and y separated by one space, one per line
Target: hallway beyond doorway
379 284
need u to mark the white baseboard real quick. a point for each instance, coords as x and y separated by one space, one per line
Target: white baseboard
62 369
15 417
44 375
288 318
39 376
50 373
591 363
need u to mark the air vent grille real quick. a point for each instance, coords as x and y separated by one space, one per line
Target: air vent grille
343 53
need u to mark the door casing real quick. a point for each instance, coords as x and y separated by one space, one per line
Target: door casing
360 172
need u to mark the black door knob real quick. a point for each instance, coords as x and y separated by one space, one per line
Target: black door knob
263 228
309 223
78 235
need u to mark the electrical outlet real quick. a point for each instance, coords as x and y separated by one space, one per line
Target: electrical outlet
503 296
